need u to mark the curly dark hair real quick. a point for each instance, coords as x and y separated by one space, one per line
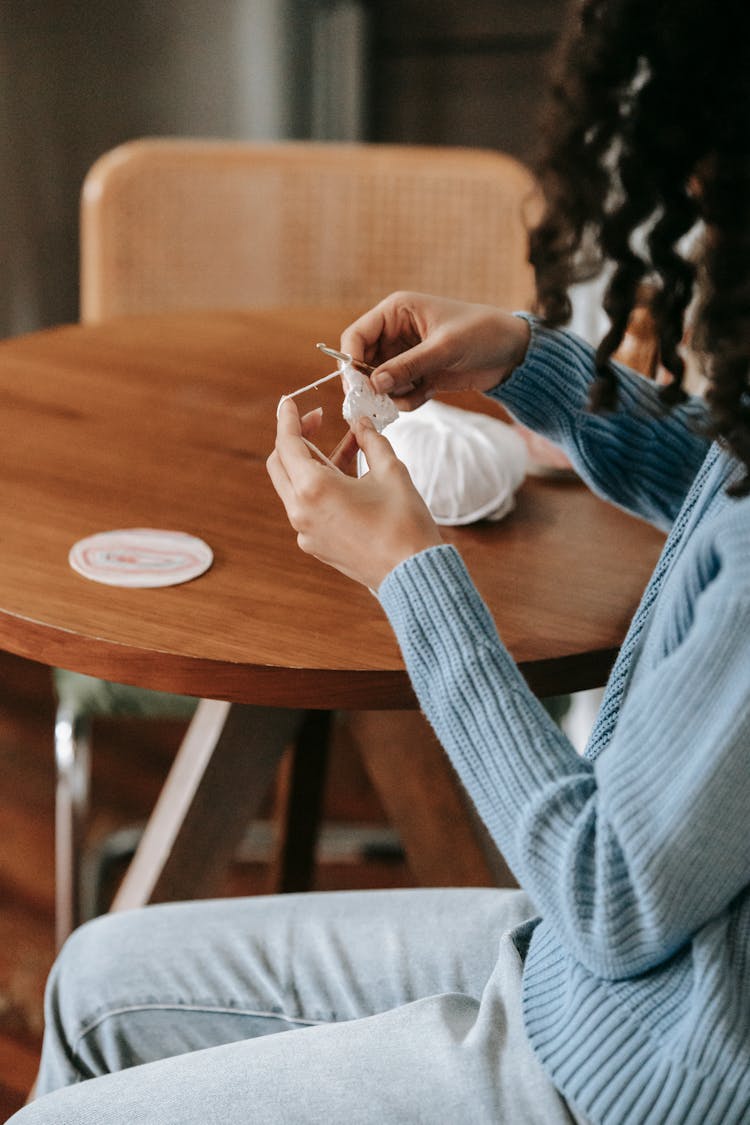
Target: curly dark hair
648 130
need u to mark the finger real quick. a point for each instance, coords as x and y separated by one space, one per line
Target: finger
290 446
406 373
345 452
385 330
280 479
360 338
288 421
415 398
311 422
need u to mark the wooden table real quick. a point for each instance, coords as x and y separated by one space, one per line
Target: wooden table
166 422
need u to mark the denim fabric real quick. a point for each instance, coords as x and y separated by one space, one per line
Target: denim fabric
405 1005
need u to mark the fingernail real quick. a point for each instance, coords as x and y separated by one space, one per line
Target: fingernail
309 414
385 382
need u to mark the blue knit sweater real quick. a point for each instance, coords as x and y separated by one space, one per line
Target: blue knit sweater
637 855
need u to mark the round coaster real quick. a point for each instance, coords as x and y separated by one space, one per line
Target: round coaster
140 556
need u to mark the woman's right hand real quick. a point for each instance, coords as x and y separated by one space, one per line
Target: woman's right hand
420 345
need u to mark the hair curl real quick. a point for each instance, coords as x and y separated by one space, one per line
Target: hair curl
647 131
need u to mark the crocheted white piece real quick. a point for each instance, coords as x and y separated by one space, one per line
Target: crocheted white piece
361 400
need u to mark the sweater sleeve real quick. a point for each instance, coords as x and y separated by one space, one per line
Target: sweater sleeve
628 855
640 456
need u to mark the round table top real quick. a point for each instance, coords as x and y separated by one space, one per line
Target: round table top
166 422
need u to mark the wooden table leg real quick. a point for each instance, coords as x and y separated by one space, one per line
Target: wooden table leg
219 777
445 842
300 806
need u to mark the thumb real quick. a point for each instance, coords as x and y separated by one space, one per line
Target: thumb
376 448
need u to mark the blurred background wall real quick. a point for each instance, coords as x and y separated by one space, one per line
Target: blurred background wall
77 77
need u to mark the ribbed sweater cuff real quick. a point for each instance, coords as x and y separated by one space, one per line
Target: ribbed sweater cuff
637 455
548 392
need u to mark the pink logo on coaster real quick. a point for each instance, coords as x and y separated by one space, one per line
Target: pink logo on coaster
141 556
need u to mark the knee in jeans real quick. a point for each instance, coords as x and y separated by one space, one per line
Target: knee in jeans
89 970
29 1115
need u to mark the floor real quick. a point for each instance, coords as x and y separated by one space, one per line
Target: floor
130 761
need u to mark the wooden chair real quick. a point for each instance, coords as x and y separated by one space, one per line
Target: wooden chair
175 224
179 224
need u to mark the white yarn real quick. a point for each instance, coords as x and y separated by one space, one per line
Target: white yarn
466 466
309 387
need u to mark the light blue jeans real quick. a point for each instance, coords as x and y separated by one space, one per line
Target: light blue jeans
405 1007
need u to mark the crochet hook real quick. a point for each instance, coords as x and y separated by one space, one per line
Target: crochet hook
359 364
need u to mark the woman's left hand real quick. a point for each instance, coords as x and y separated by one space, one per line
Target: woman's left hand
363 526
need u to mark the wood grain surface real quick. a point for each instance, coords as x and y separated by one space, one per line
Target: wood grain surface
166 422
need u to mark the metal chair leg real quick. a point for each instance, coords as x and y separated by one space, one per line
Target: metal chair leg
73 766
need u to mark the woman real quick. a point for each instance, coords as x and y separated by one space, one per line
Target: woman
614 987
